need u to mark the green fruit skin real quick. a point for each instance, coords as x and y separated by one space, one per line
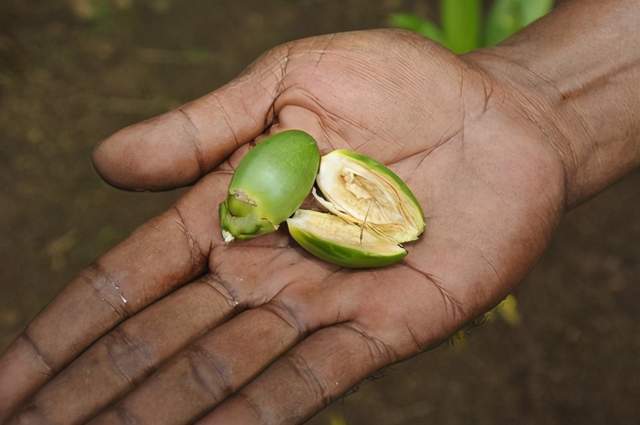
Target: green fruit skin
342 255
243 228
271 182
382 169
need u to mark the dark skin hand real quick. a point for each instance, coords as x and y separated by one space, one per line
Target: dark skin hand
496 145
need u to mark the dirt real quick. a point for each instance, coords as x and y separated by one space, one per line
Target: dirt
72 72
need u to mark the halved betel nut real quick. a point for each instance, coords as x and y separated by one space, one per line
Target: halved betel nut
372 212
334 240
269 184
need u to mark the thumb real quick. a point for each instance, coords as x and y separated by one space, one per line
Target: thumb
178 147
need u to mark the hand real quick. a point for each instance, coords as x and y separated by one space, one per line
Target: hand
259 331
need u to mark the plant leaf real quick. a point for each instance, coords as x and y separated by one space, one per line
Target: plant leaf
416 24
508 310
461 21
504 19
336 419
509 16
530 10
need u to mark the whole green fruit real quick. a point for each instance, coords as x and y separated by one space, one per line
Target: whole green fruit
269 185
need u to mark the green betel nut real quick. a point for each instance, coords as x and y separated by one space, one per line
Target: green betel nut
371 213
270 183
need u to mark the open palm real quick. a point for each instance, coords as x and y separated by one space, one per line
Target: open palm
267 334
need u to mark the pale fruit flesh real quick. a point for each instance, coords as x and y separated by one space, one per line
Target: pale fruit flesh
369 197
337 241
371 213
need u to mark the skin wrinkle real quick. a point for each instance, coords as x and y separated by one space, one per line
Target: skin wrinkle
427 152
252 72
124 415
492 187
259 246
601 79
379 352
114 288
284 68
247 113
324 49
565 149
198 257
286 315
309 377
362 67
221 173
227 120
414 337
450 303
200 357
31 415
325 133
193 132
489 263
254 408
227 163
279 253
336 121
226 289
487 87
135 348
47 365
463 111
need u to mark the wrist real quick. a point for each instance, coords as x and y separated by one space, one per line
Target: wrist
580 88
538 102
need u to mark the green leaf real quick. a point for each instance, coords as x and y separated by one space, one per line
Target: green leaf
508 310
531 10
504 19
461 21
507 17
416 24
337 419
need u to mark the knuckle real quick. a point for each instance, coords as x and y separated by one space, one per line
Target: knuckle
30 415
289 312
198 255
47 366
209 373
107 289
130 357
380 353
123 416
309 378
251 406
191 136
223 288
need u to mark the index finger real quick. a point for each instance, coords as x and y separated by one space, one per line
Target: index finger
163 254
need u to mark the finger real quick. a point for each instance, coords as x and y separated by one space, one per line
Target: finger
229 356
393 313
180 146
163 254
309 377
117 362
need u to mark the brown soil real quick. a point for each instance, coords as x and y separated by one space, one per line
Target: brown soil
71 74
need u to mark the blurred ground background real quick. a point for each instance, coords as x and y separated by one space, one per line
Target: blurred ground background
72 72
